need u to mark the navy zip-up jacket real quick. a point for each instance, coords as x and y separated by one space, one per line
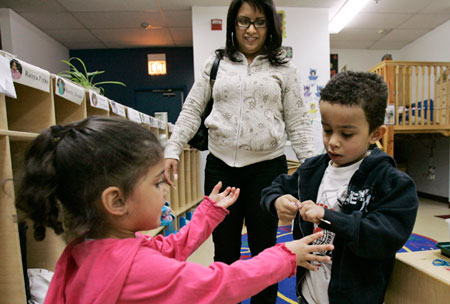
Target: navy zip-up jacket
375 221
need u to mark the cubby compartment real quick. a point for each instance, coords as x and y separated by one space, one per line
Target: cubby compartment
32 111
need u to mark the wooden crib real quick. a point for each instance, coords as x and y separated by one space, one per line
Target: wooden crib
419 99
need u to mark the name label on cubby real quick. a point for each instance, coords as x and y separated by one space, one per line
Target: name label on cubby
134 115
146 119
154 122
68 90
31 75
98 101
6 81
117 108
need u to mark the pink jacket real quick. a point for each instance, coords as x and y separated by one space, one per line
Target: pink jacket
154 269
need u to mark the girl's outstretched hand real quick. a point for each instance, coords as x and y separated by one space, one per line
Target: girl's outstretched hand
304 251
225 198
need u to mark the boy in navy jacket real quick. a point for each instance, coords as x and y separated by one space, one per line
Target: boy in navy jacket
365 206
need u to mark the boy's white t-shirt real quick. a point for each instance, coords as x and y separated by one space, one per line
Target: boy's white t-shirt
332 191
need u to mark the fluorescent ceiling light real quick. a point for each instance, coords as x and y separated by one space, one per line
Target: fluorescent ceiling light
345 14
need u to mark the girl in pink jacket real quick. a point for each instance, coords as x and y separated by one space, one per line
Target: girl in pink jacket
103 177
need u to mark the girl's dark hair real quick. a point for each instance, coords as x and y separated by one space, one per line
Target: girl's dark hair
273 41
72 165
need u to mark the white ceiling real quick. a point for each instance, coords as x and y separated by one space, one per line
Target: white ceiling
87 24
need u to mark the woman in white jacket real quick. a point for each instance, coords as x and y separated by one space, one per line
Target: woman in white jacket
256 102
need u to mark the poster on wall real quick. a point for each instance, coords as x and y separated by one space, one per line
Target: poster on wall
282 17
333 64
311 96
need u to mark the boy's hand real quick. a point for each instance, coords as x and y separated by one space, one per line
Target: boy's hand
225 198
304 252
286 207
311 212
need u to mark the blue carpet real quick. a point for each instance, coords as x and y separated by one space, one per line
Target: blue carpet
286 288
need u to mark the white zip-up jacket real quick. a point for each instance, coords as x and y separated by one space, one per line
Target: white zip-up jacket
254 106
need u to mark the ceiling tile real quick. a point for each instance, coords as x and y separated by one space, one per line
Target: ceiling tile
438 7
355 34
404 35
32 6
77 35
133 36
108 5
179 18
359 44
396 6
425 21
378 20
117 20
52 20
388 45
80 45
181 33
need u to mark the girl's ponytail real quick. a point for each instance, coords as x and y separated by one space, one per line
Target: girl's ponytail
39 181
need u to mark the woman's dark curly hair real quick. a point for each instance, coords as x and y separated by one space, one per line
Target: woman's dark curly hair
362 89
274 38
71 165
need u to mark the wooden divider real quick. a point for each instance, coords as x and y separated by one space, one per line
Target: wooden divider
11 274
197 168
181 183
187 176
193 175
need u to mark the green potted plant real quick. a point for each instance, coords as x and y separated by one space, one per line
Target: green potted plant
85 78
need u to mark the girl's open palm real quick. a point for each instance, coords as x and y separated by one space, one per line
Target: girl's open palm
225 198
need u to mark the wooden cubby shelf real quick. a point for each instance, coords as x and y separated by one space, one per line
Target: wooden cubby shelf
21 120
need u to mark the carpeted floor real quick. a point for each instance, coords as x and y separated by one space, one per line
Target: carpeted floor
286 288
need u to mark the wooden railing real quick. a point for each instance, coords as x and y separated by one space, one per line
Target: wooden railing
419 100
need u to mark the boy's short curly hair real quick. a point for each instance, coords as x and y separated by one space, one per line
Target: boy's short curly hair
363 89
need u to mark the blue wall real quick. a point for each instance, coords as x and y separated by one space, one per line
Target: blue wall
130 67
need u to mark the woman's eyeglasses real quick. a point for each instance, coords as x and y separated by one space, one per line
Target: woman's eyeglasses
245 23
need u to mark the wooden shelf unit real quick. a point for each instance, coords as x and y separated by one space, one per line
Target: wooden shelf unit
21 120
418 91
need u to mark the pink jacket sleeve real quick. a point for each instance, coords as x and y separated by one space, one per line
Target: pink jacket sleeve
182 244
154 278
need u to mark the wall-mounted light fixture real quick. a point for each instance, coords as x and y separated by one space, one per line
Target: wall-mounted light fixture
156 64
345 14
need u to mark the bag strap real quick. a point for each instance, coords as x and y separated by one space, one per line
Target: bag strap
214 68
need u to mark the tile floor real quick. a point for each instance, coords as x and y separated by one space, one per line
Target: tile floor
427 224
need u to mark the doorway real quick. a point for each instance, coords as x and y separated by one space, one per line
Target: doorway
160 100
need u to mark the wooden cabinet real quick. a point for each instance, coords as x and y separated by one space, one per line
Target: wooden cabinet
21 120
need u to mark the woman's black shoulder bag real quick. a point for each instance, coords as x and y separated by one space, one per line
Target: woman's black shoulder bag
200 139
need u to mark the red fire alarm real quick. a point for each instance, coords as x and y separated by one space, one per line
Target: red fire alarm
216 24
